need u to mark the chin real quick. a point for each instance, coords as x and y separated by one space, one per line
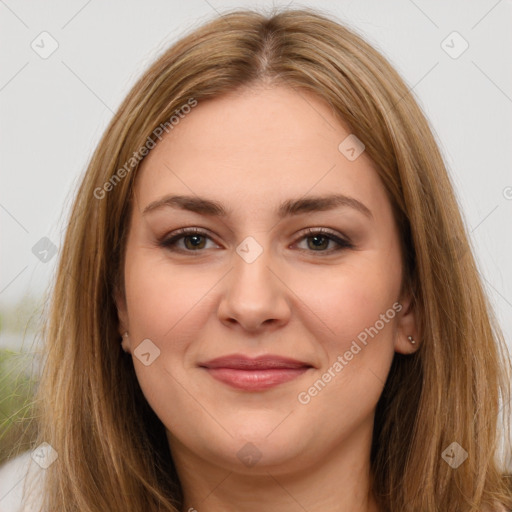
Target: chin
264 446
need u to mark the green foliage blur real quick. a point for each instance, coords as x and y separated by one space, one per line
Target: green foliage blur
17 378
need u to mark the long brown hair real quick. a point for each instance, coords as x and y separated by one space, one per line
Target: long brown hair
113 452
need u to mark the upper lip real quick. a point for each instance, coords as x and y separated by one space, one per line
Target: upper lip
266 362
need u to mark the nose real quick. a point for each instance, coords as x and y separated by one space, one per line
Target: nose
254 295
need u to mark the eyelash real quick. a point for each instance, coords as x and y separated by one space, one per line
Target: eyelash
170 243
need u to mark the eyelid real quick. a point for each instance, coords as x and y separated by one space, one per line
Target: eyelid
323 231
176 235
342 240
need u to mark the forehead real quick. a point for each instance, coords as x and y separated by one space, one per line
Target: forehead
257 144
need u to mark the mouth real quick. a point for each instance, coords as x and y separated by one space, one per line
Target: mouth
255 374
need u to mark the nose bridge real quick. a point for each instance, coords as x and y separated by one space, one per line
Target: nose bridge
251 267
254 294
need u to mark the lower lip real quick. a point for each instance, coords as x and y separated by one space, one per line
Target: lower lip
255 380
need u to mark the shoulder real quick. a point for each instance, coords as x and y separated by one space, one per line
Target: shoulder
16 476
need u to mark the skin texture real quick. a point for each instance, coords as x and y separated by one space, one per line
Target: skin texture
252 150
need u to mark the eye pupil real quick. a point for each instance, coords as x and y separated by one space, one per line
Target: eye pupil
195 244
321 237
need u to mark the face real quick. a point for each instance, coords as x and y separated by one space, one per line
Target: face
261 280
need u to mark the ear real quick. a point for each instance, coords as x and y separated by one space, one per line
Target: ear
122 314
407 325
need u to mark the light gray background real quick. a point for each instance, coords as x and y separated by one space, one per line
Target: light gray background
54 110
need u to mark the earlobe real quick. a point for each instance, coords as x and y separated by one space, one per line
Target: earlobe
125 343
122 314
407 336
406 343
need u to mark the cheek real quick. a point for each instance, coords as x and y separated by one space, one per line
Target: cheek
167 306
162 297
356 305
351 300
356 312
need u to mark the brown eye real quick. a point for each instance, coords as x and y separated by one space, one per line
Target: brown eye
319 242
193 240
320 239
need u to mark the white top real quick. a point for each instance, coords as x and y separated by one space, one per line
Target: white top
13 482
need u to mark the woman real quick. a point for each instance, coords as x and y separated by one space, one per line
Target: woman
203 355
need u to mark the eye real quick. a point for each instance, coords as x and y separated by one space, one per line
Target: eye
321 238
195 236
195 240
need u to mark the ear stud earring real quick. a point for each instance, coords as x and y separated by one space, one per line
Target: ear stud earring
410 338
125 337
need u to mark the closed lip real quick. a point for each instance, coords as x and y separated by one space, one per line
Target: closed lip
266 362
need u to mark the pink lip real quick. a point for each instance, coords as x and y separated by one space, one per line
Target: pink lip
255 374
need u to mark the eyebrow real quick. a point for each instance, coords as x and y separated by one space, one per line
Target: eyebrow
288 208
